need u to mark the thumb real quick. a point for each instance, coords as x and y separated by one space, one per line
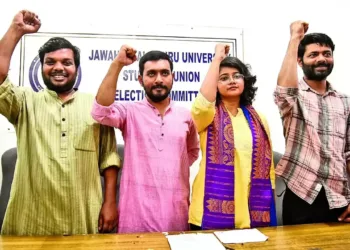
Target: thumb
100 223
343 215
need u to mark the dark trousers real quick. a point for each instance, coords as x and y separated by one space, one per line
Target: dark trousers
297 211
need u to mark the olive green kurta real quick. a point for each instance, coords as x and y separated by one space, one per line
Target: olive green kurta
61 151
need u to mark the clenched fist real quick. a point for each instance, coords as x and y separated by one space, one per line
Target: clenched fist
26 22
298 29
221 51
126 55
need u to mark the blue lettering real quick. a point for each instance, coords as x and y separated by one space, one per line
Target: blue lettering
194 57
132 95
130 75
129 95
138 95
210 57
183 95
186 76
140 54
110 56
103 55
97 55
174 56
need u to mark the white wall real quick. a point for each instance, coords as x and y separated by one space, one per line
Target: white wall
265 23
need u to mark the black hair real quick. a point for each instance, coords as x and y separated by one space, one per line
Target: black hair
249 91
154 55
57 43
311 38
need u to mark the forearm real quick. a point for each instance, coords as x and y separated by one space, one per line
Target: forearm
106 93
288 75
110 179
210 83
7 46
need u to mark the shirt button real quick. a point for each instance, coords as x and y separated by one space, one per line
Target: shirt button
318 187
162 134
63 134
63 119
62 105
163 123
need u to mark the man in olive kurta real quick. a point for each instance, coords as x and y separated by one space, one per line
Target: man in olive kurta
61 150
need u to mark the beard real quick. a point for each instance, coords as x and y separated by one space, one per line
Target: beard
311 72
68 86
157 97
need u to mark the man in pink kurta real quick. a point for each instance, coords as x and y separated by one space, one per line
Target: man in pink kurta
160 146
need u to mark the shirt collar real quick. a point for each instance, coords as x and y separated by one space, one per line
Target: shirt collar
146 102
305 87
55 95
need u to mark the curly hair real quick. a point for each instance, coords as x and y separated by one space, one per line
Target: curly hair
249 91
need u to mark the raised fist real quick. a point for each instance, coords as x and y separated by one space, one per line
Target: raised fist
298 29
126 55
26 22
221 50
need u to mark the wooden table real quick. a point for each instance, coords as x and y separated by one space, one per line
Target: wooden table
310 237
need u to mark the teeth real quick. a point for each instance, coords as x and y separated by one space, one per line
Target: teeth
58 77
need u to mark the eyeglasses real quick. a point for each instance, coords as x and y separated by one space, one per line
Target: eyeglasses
227 79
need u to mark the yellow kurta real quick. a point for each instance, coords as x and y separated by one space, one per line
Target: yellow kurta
61 152
203 113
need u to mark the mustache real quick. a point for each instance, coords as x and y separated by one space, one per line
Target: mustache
58 73
159 86
322 64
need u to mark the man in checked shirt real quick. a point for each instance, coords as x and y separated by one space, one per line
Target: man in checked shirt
317 131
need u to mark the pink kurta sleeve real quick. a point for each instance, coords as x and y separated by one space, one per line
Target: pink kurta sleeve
113 115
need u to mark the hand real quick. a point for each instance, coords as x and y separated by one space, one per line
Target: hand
298 29
345 216
126 55
221 51
26 22
108 219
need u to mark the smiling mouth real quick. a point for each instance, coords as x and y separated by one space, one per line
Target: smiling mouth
322 68
58 78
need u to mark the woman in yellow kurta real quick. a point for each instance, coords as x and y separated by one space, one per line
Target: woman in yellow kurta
234 187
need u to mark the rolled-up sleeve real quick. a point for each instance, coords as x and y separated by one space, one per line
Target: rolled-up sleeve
203 112
11 100
108 149
285 98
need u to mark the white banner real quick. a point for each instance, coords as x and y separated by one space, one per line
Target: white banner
191 57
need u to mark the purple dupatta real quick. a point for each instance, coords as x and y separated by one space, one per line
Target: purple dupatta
219 204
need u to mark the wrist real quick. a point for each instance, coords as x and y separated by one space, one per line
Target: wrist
110 202
296 38
117 65
15 32
218 59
